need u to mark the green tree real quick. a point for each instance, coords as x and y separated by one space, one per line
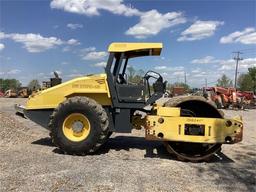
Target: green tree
252 73
224 81
135 76
140 72
244 82
6 84
131 73
34 85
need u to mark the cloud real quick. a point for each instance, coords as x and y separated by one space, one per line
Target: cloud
74 26
92 7
230 64
73 42
66 49
90 53
5 58
200 30
1 46
197 70
2 35
200 74
55 26
40 74
178 73
35 43
170 73
88 49
205 60
161 67
247 36
164 74
95 55
64 63
73 75
224 64
166 68
152 22
70 42
100 64
13 72
213 72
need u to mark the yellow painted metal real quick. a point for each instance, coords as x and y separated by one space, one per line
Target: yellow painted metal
216 130
166 124
94 86
123 47
70 133
168 111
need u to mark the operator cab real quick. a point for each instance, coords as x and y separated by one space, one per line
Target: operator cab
123 92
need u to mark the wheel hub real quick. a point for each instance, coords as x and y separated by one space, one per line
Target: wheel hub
77 126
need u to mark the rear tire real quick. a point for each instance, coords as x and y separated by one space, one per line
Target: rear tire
93 130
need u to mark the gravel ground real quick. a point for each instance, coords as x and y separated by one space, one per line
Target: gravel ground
29 162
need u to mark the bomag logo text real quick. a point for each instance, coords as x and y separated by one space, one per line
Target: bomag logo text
85 86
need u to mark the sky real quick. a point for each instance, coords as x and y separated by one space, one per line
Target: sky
71 37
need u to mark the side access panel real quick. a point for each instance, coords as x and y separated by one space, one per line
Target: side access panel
122 121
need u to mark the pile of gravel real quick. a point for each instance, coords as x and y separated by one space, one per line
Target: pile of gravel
12 131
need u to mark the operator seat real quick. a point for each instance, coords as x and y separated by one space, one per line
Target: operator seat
121 79
132 93
159 86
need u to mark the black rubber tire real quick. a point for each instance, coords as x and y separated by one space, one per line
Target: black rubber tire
99 131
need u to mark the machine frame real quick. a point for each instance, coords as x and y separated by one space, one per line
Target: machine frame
108 97
121 111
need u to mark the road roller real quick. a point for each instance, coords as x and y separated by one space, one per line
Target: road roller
82 113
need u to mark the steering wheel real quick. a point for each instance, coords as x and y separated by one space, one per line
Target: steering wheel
150 74
158 86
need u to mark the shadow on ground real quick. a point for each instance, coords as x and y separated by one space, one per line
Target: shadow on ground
226 172
242 171
44 141
153 149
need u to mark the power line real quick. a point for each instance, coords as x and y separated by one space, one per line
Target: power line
237 59
208 83
249 53
246 50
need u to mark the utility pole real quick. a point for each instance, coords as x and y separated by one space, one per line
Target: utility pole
185 77
237 59
205 82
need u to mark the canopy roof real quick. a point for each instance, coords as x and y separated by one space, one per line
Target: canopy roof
137 49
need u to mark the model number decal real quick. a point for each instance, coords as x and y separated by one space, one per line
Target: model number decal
85 86
194 120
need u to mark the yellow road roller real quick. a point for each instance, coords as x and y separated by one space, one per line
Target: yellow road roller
82 113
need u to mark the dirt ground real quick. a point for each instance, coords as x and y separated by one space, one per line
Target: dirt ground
29 162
